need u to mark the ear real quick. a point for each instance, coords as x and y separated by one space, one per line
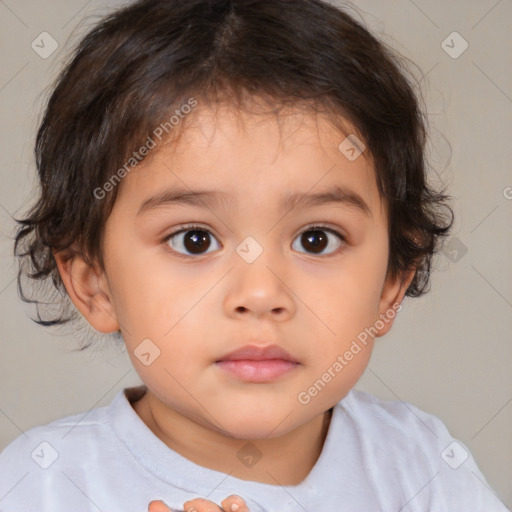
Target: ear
87 287
391 298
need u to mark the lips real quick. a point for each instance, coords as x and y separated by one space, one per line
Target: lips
256 353
257 364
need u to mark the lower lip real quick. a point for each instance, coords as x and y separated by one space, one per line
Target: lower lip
257 371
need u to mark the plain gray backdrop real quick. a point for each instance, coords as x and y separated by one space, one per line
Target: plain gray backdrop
449 352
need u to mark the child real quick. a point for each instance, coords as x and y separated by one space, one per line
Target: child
238 188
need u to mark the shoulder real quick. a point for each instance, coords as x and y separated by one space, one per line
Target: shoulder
43 440
399 428
393 415
400 444
50 466
35 457
75 435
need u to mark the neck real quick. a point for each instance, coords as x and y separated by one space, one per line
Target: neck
284 460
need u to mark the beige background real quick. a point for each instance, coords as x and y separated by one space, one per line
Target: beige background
450 353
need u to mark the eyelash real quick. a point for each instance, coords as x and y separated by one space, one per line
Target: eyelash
194 227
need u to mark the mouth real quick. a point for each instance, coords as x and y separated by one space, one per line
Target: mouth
257 364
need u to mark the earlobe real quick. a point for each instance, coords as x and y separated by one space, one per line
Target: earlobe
393 292
87 289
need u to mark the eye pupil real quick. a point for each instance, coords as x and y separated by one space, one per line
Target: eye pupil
196 239
316 239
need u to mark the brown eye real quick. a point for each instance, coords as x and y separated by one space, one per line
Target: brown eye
191 241
316 240
196 241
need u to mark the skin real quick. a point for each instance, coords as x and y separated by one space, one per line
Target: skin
197 308
232 503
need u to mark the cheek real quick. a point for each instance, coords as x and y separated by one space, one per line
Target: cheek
165 355
349 310
145 293
352 300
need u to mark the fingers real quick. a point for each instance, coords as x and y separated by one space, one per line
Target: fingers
158 506
234 503
201 505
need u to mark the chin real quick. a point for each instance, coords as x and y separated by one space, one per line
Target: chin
258 424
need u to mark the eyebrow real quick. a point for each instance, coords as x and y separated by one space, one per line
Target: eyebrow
207 198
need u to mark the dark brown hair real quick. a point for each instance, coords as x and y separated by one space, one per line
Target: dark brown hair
140 64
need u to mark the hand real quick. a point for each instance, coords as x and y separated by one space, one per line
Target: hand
232 503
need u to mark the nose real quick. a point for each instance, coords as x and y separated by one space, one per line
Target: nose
260 289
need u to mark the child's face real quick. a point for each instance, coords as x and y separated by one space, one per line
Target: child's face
197 303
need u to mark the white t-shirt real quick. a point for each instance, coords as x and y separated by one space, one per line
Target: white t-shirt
377 456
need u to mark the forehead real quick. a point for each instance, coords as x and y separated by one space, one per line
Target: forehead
240 154
280 131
